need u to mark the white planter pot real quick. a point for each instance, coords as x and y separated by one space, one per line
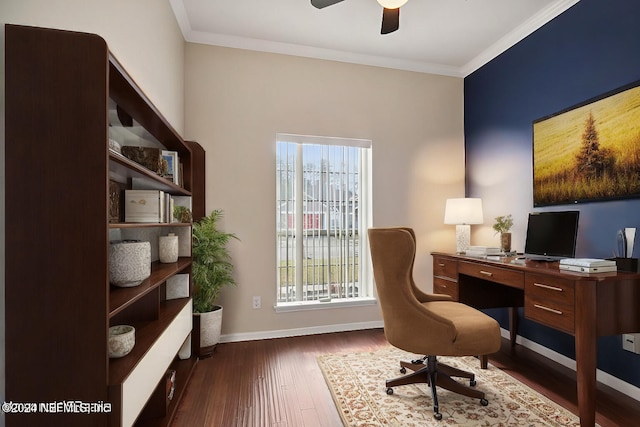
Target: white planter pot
210 327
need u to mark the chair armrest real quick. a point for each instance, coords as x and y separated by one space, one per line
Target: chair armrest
439 297
425 297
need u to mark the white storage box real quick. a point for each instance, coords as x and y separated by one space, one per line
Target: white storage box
143 205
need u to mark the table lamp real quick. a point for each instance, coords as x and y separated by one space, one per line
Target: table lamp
462 213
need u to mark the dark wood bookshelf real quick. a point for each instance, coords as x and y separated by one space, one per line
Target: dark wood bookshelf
60 86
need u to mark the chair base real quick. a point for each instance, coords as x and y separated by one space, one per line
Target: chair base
429 371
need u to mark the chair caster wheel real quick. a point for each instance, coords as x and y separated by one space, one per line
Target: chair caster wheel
437 416
403 370
473 383
389 391
484 402
417 361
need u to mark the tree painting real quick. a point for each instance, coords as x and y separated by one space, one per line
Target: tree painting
592 161
590 152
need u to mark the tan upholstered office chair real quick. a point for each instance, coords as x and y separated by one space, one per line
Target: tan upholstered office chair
423 323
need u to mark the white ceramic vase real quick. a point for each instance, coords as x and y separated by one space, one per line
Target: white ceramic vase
129 262
168 248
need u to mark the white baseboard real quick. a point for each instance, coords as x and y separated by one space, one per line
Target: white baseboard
283 333
601 376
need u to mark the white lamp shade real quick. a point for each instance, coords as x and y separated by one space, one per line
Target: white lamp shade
391 4
463 211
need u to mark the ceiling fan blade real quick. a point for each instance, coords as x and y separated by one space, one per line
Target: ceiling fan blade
324 3
390 20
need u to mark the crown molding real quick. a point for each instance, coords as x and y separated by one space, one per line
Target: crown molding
518 34
509 40
318 53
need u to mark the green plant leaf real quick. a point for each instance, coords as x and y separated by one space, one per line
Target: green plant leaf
503 224
212 268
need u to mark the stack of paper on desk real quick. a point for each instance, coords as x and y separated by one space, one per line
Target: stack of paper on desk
481 251
588 265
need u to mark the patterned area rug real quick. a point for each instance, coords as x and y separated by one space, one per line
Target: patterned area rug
357 383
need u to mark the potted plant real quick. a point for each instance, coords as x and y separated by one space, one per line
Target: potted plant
182 214
211 271
503 226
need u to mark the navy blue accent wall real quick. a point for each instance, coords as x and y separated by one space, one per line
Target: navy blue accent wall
590 49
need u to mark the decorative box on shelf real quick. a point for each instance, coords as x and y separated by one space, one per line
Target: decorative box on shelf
149 157
144 206
177 287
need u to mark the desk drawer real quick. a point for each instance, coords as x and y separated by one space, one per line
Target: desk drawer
550 301
447 287
553 314
493 274
549 288
445 267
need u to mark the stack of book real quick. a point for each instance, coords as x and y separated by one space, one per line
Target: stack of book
588 265
482 251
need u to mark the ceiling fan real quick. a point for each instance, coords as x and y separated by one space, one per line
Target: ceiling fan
390 13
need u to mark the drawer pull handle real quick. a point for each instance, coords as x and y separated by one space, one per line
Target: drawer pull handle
553 288
486 273
542 307
440 264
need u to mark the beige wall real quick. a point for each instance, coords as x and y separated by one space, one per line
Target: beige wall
236 101
142 34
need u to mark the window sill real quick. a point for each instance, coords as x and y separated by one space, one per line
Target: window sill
285 307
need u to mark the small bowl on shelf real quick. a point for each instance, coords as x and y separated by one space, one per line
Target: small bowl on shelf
122 338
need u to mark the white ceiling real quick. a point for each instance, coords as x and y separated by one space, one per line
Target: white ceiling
450 37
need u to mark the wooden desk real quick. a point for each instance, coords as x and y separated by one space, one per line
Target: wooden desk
584 305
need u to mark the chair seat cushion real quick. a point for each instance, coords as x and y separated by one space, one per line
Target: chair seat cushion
475 332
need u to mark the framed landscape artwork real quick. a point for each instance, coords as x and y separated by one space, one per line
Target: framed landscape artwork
172 165
590 151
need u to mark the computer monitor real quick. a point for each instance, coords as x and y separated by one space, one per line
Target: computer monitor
551 235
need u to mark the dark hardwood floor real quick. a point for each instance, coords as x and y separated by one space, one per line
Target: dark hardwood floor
277 382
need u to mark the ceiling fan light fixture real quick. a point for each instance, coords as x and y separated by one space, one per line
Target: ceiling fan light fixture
391 4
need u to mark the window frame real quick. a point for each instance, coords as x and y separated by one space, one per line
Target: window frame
365 274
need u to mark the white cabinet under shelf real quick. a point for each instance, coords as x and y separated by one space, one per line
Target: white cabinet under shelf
139 385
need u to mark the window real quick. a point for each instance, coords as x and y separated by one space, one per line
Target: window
323 213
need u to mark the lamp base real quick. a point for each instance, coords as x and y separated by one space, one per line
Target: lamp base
463 237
